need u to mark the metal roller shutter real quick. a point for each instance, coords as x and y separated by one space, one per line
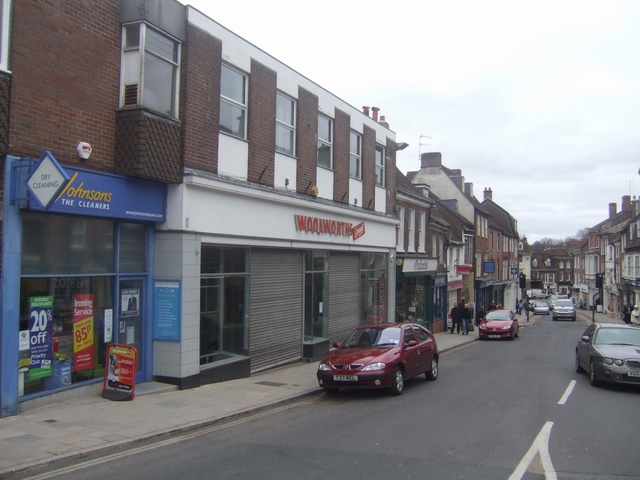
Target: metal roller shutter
275 332
344 294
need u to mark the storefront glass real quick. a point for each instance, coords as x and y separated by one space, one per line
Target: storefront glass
316 286
411 300
68 314
373 288
223 300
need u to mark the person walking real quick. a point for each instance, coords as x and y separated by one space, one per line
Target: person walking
526 308
626 313
466 319
480 315
635 315
492 306
456 317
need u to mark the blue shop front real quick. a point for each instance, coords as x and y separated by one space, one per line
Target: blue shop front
77 270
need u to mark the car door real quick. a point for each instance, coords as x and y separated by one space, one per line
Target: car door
585 346
427 348
411 354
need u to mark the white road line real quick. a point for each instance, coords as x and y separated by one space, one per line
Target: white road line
567 392
541 445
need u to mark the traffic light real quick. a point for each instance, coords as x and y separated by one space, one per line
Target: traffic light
523 280
599 280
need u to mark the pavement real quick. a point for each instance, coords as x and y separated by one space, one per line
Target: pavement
82 427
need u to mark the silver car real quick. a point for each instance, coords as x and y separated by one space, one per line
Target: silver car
564 308
541 307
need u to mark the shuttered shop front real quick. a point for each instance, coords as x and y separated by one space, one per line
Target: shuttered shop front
344 294
276 308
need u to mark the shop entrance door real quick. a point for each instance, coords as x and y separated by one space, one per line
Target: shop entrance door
130 315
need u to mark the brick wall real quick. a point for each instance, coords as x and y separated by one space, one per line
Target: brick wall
65 84
306 147
341 139
200 99
262 123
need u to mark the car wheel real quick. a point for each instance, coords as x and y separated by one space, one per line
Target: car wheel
398 382
330 391
573 319
593 379
553 318
579 368
433 373
516 334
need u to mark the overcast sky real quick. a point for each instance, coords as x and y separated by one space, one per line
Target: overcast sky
538 100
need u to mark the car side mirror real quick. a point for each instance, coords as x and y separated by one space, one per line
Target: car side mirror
336 344
411 343
585 338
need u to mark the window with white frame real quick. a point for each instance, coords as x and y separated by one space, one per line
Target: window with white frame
325 135
400 231
411 231
561 265
629 266
637 257
355 149
285 124
150 59
534 262
568 265
5 18
233 102
380 166
548 277
422 225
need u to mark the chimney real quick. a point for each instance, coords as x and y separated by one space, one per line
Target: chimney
375 113
383 122
431 159
613 207
488 194
626 204
365 110
468 188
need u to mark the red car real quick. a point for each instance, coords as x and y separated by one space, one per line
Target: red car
499 324
380 356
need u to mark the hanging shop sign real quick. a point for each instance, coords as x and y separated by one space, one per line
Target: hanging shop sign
327 226
120 374
54 188
40 337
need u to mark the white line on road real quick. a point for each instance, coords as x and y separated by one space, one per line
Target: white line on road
540 444
567 392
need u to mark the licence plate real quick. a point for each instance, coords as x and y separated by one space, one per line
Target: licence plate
345 378
494 336
633 373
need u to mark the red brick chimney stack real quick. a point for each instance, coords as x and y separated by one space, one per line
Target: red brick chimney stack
375 113
488 193
365 110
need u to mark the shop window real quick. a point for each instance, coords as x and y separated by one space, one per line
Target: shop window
316 287
223 304
133 242
78 229
373 288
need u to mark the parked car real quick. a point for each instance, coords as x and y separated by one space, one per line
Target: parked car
564 308
609 352
380 356
541 307
499 324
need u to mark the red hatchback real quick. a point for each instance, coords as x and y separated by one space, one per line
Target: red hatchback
380 356
499 324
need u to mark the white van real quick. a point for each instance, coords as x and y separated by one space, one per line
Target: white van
536 293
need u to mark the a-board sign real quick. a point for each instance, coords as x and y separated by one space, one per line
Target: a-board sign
120 372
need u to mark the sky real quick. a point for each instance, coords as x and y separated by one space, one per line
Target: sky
539 101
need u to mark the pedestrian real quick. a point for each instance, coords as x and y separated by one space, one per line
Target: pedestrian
466 319
626 313
526 308
635 315
492 306
456 317
480 315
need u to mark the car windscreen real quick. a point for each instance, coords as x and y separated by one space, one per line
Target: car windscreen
564 303
498 315
373 337
618 336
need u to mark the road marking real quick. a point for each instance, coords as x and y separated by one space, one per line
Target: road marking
540 445
567 392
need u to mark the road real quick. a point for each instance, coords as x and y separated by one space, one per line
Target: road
499 410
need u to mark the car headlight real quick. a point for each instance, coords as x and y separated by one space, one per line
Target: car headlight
323 367
373 366
508 327
611 361
482 326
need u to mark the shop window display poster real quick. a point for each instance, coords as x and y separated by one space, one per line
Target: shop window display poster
83 351
130 302
40 337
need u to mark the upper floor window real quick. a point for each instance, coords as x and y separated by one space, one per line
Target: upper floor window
151 59
355 145
233 102
5 9
380 166
534 262
285 124
325 136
